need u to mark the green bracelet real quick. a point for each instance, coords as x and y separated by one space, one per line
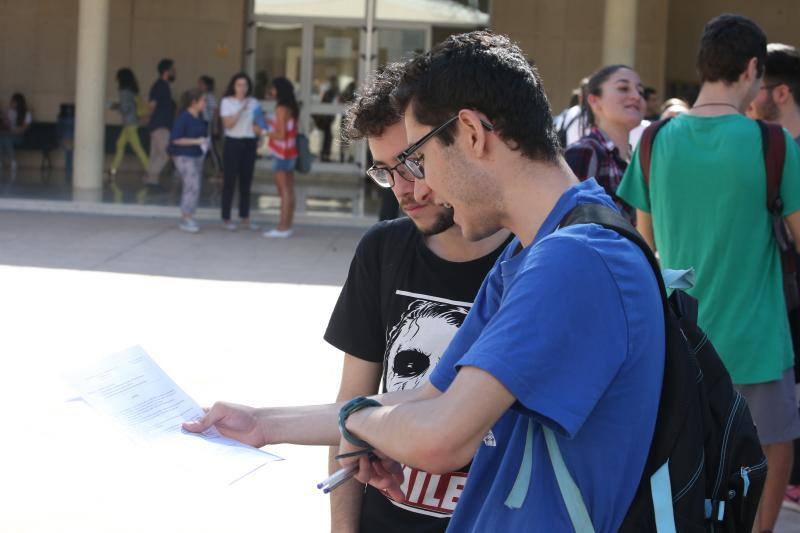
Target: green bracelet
356 404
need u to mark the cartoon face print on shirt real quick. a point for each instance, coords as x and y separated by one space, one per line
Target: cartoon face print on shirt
418 340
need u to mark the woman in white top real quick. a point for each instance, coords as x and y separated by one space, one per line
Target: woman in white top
14 125
239 153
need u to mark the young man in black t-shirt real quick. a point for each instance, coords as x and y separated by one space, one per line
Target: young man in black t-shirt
410 286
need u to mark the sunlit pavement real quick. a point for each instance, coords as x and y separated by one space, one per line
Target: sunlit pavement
227 315
64 468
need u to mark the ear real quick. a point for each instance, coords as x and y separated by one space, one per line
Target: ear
751 72
594 102
781 94
473 135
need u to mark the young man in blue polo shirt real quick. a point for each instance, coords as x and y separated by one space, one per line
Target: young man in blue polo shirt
566 333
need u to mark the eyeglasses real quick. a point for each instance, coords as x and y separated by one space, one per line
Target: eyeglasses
415 166
770 86
384 176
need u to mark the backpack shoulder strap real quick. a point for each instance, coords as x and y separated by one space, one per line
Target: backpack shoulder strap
646 147
570 493
608 218
774 144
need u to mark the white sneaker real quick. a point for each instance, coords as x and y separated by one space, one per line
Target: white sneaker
189 225
230 226
277 234
252 226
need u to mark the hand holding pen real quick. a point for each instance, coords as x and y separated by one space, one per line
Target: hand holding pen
339 477
371 467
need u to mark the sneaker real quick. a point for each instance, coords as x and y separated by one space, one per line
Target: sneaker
791 498
277 234
229 226
252 226
189 225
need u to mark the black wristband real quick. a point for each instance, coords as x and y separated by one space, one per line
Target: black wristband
356 404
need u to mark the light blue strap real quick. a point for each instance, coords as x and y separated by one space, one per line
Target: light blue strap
678 279
570 492
661 489
523 481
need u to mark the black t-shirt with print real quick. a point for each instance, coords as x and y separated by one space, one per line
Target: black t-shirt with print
400 307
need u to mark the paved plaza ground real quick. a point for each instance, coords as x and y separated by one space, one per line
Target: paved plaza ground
227 315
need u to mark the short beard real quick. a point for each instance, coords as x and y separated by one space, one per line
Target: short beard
442 223
769 110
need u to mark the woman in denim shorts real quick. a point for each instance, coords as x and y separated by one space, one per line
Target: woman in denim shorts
282 142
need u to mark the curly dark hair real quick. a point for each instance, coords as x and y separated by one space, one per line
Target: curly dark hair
486 72
230 90
284 90
371 112
126 79
728 43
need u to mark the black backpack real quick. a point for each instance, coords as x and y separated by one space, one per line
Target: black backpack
704 433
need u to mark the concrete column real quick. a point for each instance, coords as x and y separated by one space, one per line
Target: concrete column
90 94
250 40
619 32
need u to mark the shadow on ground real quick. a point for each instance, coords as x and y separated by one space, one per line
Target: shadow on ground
313 255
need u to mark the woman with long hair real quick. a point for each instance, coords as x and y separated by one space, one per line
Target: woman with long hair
17 121
129 108
282 142
239 152
188 144
613 106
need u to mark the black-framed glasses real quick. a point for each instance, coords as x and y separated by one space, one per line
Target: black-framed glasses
384 176
769 87
415 166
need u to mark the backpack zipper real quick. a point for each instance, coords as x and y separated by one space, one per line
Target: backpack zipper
744 472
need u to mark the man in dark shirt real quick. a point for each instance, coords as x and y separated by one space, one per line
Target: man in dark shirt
410 286
162 113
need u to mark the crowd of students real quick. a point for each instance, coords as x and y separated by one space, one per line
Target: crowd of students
194 131
493 356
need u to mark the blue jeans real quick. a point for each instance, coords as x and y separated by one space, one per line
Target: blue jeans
7 144
286 165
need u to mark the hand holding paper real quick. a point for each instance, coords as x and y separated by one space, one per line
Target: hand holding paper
131 388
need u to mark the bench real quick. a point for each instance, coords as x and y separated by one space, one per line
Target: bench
42 137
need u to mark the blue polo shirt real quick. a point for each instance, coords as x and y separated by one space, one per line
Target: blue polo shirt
573 326
187 126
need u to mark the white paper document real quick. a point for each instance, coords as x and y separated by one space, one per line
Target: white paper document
133 390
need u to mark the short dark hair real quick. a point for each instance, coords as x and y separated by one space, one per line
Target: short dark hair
191 96
164 65
208 81
371 113
230 90
783 67
728 43
486 72
648 92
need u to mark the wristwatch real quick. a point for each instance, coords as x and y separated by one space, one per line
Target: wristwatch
356 404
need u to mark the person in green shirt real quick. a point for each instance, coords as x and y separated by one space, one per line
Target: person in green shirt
705 207
778 101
